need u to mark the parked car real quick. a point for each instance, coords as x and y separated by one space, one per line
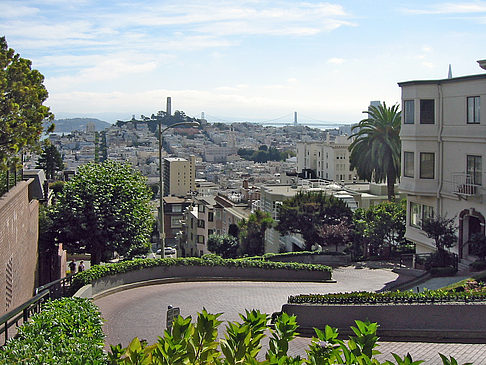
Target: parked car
168 251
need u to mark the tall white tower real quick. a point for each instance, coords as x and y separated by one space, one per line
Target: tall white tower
169 106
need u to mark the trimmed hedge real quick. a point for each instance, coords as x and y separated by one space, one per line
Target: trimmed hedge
66 331
295 253
394 297
99 271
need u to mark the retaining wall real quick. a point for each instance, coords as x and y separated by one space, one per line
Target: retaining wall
196 273
411 322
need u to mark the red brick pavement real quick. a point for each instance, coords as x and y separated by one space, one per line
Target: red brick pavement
141 311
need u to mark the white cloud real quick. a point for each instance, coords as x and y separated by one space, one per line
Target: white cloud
451 8
336 61
10 9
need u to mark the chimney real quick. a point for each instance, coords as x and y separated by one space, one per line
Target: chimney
449 75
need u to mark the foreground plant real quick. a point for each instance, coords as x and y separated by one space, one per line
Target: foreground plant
197 343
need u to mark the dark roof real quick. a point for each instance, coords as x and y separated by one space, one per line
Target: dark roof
443 81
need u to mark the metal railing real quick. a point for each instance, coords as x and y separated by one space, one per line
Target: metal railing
16 317
464 184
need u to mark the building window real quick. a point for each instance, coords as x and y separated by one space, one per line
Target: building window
175 222
176 208
408 165
210 232
415 215
418 213
200 223
210 216
200 238
427 111
473 109
474 169
200 208
409 111
427 165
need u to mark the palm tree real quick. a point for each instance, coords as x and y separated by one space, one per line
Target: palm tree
375 151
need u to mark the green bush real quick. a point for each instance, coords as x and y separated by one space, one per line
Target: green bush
443 271
66 331
478 265
99 271
198 343
392 297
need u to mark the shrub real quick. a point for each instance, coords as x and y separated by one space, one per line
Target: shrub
443 271
198 344
66 331
391 297
99 271
478 265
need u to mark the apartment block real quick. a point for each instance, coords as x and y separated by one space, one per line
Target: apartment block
179 175
443 138
329 159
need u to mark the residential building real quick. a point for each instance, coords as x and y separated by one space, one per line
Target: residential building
443 138
174 208
179 175
329 159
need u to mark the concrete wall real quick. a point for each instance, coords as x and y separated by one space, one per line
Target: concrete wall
18 246
398 322
204 272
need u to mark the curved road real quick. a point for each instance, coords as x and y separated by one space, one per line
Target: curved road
141 311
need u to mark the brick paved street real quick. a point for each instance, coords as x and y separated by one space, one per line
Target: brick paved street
141 311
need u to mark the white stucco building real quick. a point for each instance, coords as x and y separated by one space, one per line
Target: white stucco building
329 158
443 156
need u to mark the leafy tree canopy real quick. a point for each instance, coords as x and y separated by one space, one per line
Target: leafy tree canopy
224 245
442 230
102 209
252 233
375 151
306 213
22 114
382 224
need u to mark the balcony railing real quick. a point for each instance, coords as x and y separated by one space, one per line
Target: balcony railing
464 185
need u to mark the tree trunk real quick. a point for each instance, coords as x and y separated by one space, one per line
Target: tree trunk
390 185
95 254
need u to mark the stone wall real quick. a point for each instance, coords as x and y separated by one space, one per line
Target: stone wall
18 246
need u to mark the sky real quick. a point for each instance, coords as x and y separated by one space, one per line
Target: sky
240 60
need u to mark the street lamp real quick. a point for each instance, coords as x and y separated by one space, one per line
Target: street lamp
161 181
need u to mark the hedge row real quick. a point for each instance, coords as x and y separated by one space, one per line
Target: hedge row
293 254
66 331
99 271
394 297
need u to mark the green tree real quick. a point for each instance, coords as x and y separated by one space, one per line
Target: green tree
22 114
224 245
382 225
335 234
102 209
252 233
50 160
375 151
443 231
306 213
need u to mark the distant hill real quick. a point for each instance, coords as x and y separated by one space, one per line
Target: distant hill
78 124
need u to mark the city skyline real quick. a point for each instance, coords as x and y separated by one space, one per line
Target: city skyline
241 60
